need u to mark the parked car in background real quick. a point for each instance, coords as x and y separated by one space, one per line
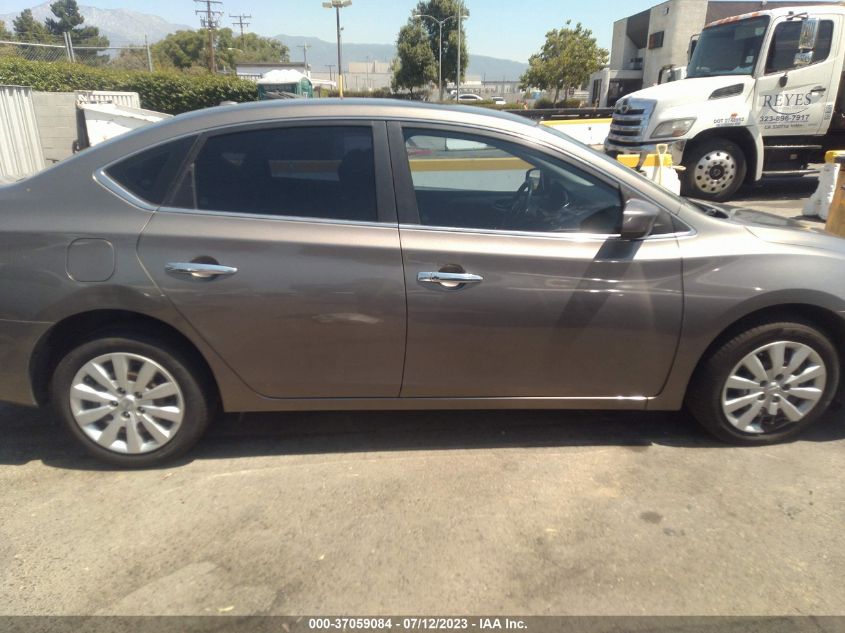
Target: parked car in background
468 96
369 254
498 100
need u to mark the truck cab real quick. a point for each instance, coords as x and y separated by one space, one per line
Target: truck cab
762 96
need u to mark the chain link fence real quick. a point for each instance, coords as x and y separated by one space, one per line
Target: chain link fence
125 57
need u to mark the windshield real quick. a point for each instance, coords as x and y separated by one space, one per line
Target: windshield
728 49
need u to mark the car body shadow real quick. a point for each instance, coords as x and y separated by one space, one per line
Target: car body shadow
33 435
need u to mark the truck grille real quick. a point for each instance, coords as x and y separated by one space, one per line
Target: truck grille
629 124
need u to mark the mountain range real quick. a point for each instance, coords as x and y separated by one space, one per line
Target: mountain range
321 53
121 26
124 26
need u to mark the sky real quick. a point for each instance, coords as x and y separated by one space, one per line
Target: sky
499 28
511 29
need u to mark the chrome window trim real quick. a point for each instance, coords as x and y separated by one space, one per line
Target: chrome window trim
107 182
569 237
283 218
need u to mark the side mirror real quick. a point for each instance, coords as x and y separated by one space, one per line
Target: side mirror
638 219
534 178
809 34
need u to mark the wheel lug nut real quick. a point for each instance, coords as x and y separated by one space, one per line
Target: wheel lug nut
125 414
113 403
140 409
137 394
121 391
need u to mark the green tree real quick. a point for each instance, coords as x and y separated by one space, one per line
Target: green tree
67 14
69 20
27 29
568 58
181 50
254 48
415 65
189 49
4 32
441 10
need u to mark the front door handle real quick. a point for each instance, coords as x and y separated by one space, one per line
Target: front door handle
819 89
199 270
449 280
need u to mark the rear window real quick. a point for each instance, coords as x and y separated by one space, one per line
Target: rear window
150 174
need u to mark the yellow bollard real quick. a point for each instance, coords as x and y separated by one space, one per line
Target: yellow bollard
836 215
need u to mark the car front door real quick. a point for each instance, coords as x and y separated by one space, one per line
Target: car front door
797 100
517 283
280 246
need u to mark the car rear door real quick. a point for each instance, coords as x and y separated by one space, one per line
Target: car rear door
545 304
280 246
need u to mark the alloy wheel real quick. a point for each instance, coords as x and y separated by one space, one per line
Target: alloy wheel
775 385
126 403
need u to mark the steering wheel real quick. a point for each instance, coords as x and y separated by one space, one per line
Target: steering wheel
522 198
521 204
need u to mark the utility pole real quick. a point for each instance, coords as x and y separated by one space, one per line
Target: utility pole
305 48
210 20
330 67
240 23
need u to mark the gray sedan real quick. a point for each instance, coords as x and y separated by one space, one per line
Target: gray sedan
378 255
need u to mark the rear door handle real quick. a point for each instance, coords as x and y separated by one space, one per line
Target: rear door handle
819 89
200 271
449 280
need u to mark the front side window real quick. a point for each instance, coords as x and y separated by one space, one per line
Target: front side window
473 182
784 45
322 172
150 174
731 48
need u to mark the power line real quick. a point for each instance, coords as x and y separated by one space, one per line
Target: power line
210 20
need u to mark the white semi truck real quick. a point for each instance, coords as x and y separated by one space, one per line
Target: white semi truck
763 96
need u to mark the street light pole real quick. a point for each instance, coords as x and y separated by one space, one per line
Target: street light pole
440 24
337 5
458 77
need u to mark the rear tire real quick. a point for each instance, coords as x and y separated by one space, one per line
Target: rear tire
715 170
130 399
746 402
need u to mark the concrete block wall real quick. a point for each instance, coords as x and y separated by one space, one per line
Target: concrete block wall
55 113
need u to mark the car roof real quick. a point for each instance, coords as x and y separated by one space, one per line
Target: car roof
322 109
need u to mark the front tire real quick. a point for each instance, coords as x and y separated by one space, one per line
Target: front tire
131 401
715 170
765 385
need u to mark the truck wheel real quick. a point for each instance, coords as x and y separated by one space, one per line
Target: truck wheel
715 170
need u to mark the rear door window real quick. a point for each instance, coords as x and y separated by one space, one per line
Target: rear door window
322 172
